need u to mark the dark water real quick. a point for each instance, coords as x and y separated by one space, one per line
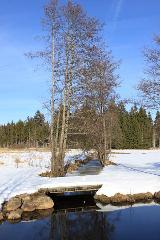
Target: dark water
141 223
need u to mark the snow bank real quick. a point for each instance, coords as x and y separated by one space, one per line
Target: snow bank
122 180
111 208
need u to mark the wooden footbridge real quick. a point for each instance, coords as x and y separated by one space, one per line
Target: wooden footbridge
73 189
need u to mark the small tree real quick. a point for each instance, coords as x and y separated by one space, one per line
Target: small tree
149 87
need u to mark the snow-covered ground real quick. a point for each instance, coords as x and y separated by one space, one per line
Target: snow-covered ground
38 159
142 160
138 171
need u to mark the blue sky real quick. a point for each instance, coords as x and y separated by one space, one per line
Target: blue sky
130 25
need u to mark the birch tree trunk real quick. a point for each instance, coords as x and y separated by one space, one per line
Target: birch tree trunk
105 138
57 127
61 141
53 157
63 127
69 97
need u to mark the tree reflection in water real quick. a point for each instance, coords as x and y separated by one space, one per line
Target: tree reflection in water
87 225
130 223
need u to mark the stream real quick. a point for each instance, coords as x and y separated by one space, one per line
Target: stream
134 223
93 167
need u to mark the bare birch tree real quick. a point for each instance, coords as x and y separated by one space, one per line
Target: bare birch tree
70 32
99 81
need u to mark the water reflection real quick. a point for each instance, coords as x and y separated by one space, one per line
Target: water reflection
82 225
128 224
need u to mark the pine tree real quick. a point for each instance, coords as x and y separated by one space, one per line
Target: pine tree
157 128
145 128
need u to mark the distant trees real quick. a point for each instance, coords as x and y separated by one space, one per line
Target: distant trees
140 129
124 129
132 129
34 132
150 86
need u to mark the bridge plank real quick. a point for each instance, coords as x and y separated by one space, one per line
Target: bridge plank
87 188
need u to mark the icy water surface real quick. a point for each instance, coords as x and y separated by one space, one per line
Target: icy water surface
134 223
93 167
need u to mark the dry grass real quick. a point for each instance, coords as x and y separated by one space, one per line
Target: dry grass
14 150
17 161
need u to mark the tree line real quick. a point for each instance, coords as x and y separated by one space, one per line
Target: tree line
33 132
125 129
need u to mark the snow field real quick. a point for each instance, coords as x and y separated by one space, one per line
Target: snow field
138 171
